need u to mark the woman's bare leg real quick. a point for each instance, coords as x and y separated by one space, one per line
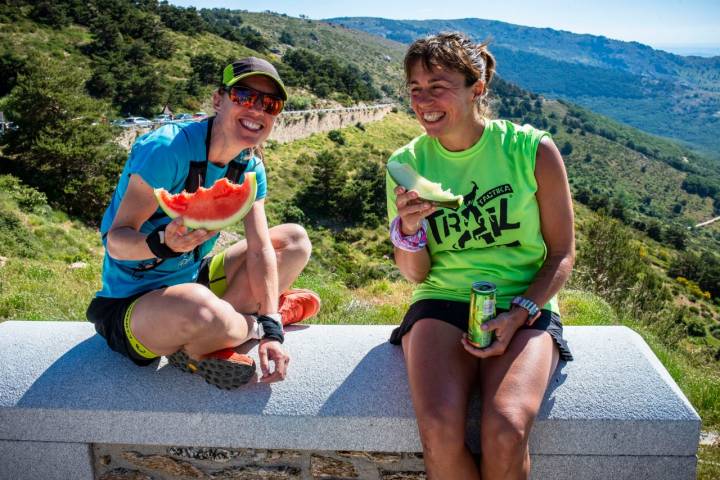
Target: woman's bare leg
513 387
441 375
190 317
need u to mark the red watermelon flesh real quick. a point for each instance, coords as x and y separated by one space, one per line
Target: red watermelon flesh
211 208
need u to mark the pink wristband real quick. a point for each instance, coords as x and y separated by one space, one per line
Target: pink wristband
409 243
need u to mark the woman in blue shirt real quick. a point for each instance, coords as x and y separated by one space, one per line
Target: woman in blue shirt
161 294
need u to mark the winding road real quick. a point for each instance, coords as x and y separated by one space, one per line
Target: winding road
707 223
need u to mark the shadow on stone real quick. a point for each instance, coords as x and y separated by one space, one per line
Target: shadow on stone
375 386
90 376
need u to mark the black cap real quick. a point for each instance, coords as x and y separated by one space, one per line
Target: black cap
247 67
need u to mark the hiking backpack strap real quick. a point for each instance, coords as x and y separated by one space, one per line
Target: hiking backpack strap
236 169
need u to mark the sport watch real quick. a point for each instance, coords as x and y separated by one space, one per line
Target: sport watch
531 307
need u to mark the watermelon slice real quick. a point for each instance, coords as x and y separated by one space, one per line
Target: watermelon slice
211 208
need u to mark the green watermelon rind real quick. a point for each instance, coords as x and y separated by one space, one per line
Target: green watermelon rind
405 176
213 224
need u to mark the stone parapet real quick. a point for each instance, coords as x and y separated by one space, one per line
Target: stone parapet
612 413
300 124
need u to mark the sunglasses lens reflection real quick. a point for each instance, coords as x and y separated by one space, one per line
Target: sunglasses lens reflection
246 97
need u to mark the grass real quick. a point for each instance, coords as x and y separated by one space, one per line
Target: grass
584 308
709 462
46 290
379 303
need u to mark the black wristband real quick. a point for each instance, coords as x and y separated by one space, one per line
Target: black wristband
156 242
273 330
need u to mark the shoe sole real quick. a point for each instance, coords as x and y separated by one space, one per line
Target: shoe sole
223 374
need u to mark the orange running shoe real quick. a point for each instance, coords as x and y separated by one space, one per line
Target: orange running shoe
298 304
226 369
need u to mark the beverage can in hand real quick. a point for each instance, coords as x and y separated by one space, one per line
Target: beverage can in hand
482 310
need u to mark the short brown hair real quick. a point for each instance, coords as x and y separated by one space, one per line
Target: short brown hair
456 52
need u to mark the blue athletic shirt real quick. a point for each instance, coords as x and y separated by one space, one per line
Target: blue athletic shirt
162 158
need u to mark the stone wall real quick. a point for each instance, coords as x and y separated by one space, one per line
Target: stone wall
294 125
297 124
134 462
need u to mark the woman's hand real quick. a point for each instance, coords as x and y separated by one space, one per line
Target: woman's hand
504 325
272 350
411 210
179 239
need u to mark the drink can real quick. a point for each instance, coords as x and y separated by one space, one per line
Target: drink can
482 309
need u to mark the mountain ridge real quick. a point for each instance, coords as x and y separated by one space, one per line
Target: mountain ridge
667 88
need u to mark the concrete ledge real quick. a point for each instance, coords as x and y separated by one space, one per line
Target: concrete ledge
612 408
22 460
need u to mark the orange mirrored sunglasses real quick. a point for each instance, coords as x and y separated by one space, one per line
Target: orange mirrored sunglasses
246 97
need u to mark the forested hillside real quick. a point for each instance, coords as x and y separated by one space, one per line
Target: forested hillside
655 91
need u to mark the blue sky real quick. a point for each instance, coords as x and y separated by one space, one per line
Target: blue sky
659 23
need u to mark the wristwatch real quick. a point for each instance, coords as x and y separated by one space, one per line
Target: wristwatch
531 307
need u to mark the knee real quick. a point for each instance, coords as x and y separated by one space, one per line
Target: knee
296 240
202 312
505 434
442 429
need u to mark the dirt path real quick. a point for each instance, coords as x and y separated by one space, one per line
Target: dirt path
707 223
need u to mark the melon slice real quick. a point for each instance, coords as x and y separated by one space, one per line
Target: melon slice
211 208
404 175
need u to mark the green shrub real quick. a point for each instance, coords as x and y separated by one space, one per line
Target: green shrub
700 272
695 328
298 102
27 198
324 75
611 266
336 136
287 38
715 331
16 240
335 193
293 214
206 67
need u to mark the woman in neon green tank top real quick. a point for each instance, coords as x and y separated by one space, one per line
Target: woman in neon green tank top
514 228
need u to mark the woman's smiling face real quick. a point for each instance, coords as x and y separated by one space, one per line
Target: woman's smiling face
440 99
251 126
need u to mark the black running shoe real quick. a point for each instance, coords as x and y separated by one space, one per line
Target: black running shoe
226 369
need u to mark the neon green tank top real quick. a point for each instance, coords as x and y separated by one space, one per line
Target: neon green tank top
495 235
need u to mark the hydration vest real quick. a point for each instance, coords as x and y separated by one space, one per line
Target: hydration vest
194 180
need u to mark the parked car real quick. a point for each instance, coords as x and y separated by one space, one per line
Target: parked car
6 127
199 115
133 122
160 119
183 117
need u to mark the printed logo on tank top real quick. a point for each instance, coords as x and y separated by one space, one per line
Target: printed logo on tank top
483 217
